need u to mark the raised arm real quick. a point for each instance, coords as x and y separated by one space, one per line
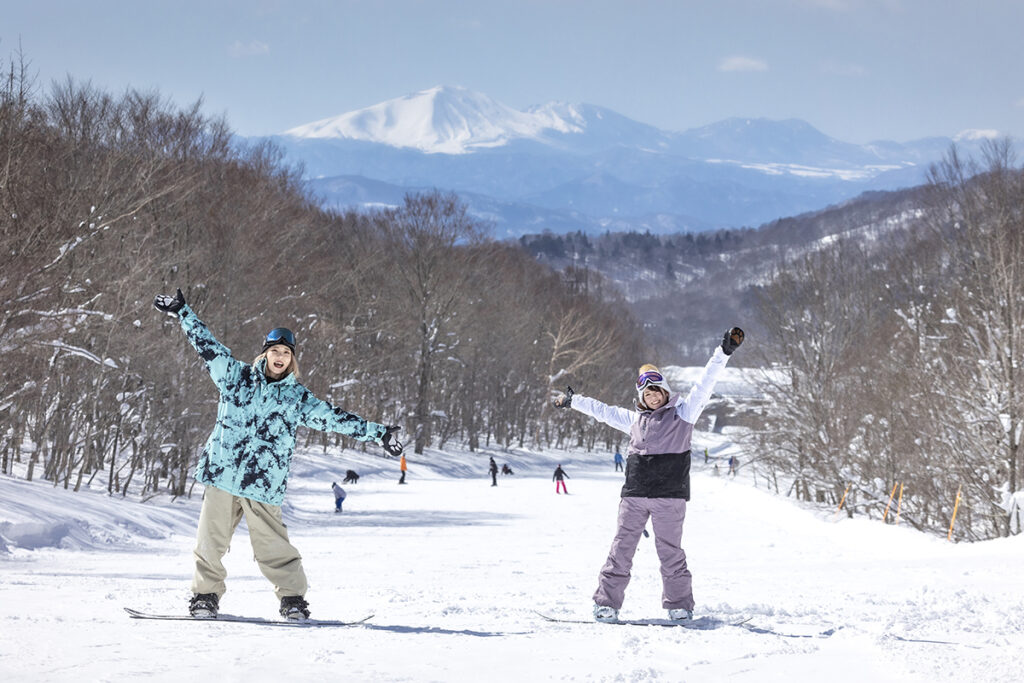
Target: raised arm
223 368
693 405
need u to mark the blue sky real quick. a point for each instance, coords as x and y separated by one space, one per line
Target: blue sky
858 70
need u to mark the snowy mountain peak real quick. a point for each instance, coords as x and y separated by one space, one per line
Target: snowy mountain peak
976 134
443 119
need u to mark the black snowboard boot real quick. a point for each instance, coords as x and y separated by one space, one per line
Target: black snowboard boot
204 605
294 607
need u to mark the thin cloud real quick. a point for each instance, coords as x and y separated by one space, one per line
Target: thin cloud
842 69
737 63
253 48
850 5
468 24
1019 103
836 5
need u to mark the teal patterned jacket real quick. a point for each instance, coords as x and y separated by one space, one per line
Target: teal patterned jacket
250 450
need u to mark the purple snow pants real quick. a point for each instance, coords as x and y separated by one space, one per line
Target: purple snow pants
667 515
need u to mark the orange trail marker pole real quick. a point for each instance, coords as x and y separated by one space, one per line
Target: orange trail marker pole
891 496
899 504
843 499
956 506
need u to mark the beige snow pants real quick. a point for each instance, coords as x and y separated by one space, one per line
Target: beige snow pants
276 556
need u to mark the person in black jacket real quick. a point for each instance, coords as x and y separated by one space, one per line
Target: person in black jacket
559 479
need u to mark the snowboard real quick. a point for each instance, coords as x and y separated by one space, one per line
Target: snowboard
231 618
698 624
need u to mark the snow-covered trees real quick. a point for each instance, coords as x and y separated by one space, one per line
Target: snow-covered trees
979 212
821 338
899 360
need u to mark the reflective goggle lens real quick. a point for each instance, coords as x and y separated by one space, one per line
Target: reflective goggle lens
281 334
649 378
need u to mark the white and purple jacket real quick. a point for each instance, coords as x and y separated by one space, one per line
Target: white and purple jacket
658 460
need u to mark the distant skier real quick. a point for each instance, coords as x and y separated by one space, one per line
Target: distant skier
402 467
245 463
657 479
505 469
559 478
493 469
618 461
339 496
351 477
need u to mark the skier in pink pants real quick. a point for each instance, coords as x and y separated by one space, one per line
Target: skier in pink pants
559 478
657 479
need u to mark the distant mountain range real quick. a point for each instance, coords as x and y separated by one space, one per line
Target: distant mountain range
579 167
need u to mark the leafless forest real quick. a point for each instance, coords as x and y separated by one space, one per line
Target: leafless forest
891 357
406 316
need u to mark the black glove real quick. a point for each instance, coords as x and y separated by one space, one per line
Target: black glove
563 400
731 340
390 443
169 304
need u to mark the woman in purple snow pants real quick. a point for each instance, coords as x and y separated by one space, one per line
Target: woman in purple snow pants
657 479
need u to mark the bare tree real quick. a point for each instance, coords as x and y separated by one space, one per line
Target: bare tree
428 239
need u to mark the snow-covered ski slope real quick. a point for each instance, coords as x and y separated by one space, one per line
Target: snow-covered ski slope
453 569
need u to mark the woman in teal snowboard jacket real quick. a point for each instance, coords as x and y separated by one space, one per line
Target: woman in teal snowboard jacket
245 463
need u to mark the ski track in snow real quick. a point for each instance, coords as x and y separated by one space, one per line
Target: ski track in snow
452 568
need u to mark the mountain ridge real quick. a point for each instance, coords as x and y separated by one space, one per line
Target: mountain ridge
457 120
584 167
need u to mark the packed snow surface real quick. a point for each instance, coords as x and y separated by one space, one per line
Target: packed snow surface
452 569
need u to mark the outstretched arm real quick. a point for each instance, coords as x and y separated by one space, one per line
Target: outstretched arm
318 414
619 418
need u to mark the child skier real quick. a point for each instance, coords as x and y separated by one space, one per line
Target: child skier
339 496
657 479
245 463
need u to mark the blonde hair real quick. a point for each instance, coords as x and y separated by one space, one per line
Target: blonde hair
292 369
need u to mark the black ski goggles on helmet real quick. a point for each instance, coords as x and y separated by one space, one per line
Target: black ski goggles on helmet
280 335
